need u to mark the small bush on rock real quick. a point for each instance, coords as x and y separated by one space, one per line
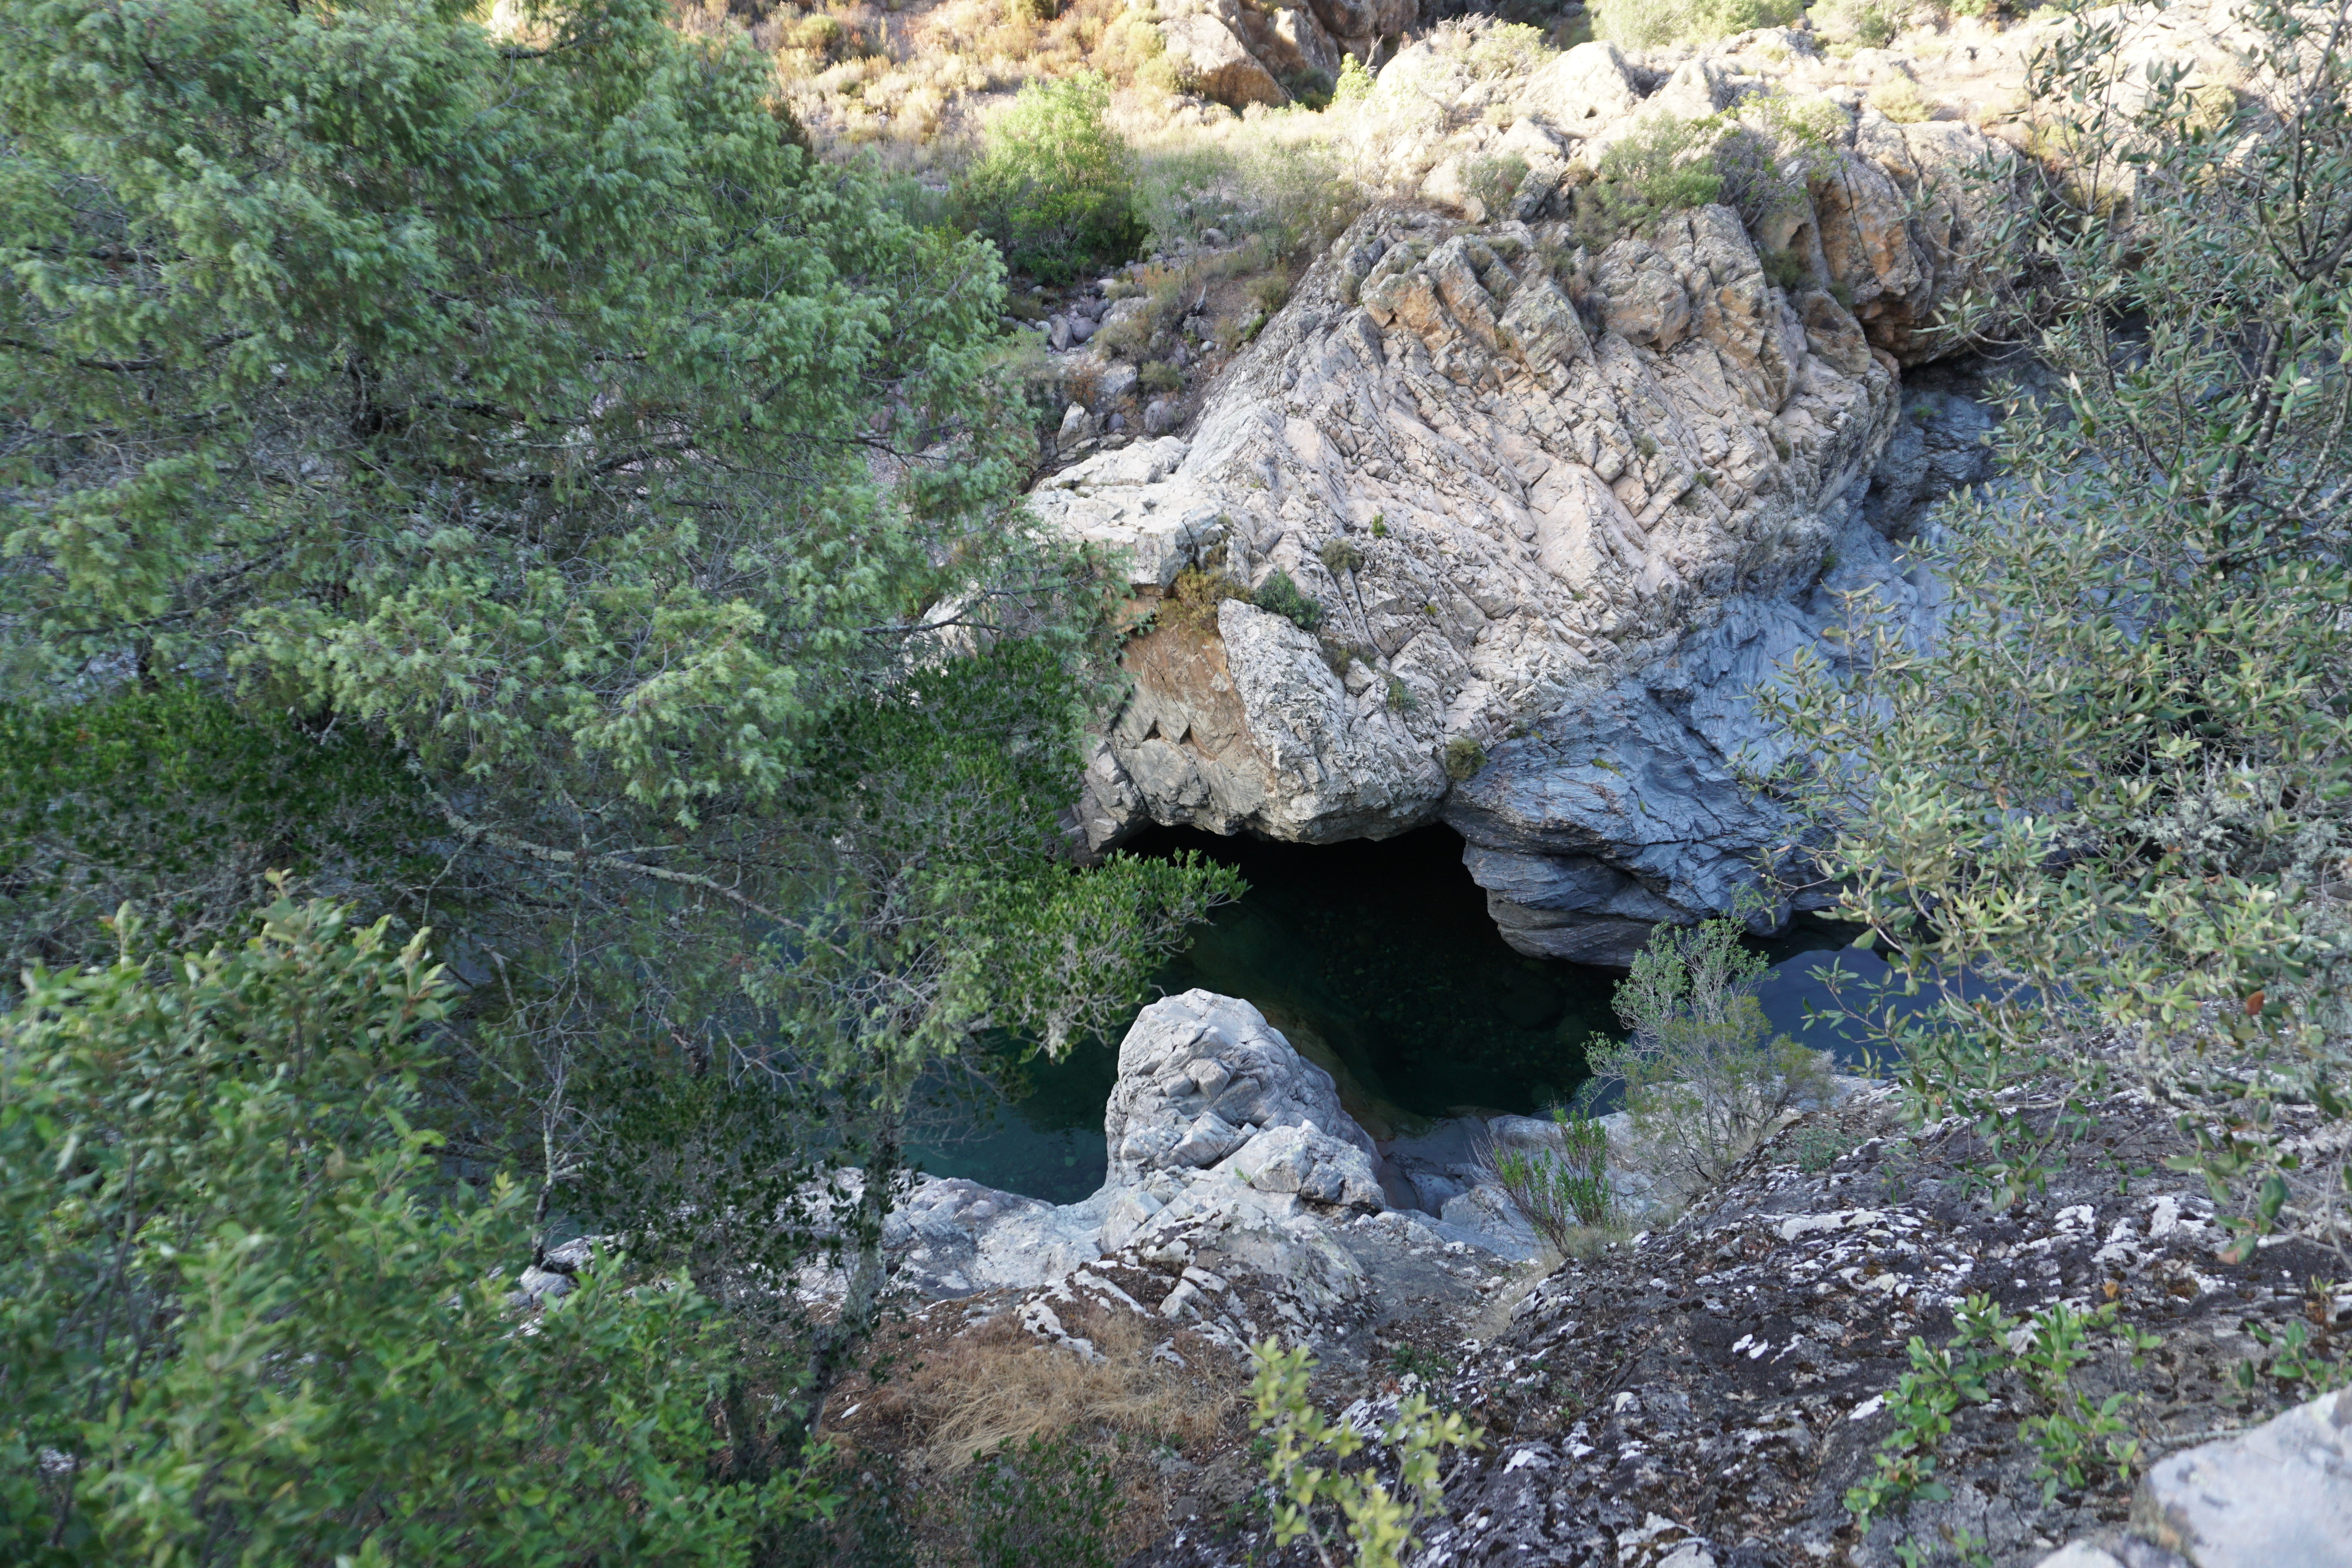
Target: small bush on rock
1463 758
1863 24
1192 601
1494 180
1899 99
1560 1192
1343 555
1324 1503
1666 166
1283 597
1704 1076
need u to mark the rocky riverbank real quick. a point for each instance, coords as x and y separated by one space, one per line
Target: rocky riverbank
1711 1391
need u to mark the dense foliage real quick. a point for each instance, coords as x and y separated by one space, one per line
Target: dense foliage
496 476
2102 823
1054 187
235 1325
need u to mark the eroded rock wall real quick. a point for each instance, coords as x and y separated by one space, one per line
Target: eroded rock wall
1561 510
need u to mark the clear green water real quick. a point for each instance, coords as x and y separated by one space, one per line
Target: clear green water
1379 961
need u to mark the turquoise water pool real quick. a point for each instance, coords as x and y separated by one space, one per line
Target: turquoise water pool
1375 959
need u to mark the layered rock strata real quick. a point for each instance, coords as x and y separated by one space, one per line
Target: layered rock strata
1561 510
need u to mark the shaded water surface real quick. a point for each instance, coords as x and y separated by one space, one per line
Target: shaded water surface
1376 960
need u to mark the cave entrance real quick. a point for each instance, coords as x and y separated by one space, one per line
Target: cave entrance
1375 959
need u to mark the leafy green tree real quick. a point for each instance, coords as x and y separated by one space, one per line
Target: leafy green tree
175 801
1704 1076
1054 187
524 412
529 400
239 1325
2102 822
938 902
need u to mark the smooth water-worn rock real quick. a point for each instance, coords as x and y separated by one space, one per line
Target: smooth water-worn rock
1215 1127
1205 1084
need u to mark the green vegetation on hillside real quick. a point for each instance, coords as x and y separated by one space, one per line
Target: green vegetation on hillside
2104 825
499 479
1054 187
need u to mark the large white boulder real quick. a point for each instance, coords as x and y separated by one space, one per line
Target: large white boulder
1200 1076
2281 1493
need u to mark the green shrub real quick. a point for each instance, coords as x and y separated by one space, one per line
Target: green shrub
1282 596
1494 179
306 1356
1560 1192
1055 186
1820 1146
180 803
1160 376
1463 758
1401 697
1704 1076
1193 600
1653 23
1501 49
1343 555
1864 23
1898 98
1786 269
1763 175
1355 83
2170 787
1045 1501
1326 1503
1666 166
1271 292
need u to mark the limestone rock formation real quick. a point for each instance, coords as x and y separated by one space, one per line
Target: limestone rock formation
1241 52
2280 1493
1215 1127
1562 507
1206 1084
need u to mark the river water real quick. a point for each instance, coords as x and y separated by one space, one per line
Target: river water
1376 960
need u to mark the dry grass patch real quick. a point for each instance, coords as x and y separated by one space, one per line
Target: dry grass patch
999 1384
959 1396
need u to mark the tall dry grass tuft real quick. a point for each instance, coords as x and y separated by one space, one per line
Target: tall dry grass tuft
999 1386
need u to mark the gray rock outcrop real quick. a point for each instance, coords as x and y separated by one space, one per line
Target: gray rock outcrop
1208 1088
1214 1128
1561 510
2281 1493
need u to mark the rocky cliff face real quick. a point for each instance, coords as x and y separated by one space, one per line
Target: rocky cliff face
1241 52
1561 510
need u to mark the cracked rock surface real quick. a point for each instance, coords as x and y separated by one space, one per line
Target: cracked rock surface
1561 509
1714 1389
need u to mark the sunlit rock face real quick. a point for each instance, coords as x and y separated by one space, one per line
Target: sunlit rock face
1561 512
